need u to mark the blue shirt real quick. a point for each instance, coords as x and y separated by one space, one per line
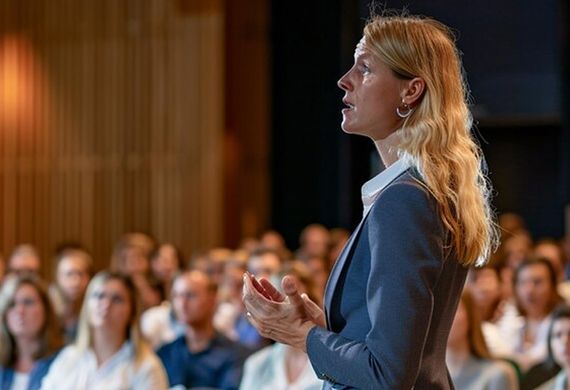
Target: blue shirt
39 370
219 365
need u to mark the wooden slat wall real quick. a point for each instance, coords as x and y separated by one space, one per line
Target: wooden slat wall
119 123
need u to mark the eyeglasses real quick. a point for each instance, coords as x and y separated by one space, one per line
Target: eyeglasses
113 298
25 302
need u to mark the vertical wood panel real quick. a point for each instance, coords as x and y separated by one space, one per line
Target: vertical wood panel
126 124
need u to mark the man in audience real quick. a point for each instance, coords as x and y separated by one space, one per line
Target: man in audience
315 241
24 260
201 357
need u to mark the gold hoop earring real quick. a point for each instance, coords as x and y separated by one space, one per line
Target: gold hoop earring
404 110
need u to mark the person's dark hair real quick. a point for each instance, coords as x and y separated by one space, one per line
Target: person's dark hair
560 312
530 261
177 253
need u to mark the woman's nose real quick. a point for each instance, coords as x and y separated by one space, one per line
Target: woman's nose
343 83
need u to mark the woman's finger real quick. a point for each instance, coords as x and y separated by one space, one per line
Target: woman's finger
290 288
271 290
314 311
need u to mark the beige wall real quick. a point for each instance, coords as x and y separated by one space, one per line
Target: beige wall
111 120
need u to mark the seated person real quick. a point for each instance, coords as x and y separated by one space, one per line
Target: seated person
559 349
24 260
536 296
201 357
485 286
29 334
165 262
109 352
72 274
470 364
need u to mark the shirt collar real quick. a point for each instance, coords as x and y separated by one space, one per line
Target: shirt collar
372 187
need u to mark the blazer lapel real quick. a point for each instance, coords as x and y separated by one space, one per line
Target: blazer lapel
337 269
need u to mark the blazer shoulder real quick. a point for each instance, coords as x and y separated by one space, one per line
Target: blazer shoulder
408 185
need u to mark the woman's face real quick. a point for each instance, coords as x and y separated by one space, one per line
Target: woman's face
26 316
165 265
534 290
485 287
110 306
372 93
560 342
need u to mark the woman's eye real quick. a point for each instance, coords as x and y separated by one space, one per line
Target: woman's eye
364 69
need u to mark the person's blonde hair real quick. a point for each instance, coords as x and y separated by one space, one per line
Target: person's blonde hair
133 334
436 137
49 338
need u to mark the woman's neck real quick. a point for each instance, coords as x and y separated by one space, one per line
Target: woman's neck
106 343
295 363
388 148
27 347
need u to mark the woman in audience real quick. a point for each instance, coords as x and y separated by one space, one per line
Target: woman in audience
280 366
29 334
469 361
72 274
485 286
165 262
559 349
109 352
551 250
131 257
536 296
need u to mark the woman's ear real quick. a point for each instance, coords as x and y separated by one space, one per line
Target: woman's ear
413 91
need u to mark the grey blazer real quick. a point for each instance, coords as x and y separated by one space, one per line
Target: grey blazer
391 297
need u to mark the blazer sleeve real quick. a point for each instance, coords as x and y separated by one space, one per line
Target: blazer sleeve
406 241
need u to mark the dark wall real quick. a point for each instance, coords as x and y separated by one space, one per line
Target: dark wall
512 52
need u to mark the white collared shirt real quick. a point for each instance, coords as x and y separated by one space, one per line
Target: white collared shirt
77 369
371 189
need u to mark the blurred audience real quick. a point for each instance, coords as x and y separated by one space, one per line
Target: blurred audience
165 262
271 239
2 268
551 250
535 296
470 363
109 352
202 357
485 286
279 366
29 334
24 260
73 269
559 350
131 257
315 241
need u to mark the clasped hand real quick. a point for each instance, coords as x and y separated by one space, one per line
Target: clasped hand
284 318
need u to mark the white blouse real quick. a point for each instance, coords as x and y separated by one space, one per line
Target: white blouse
77 369
265 370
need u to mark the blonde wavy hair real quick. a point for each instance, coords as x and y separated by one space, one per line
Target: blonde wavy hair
436 137
84 340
